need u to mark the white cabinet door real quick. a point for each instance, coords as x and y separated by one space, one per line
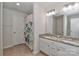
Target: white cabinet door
44 46
60 49
57 49
53 49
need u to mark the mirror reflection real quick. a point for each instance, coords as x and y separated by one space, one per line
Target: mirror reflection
67 25
66 22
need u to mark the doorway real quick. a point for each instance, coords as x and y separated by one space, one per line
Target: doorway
18 29
74 31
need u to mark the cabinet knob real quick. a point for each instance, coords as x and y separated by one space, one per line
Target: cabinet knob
48 45
58 49
14 32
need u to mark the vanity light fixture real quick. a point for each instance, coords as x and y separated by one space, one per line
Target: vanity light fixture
17 4
76 6
51 12
71 6
65 9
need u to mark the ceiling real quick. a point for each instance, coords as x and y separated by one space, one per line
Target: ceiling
26 7
53 5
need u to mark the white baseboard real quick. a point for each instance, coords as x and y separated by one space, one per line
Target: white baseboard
5 47
8 46
35 52
29 46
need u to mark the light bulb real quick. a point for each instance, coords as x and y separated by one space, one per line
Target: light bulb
76 6
17 4
70 7
50 13
47 14
65 9
53 12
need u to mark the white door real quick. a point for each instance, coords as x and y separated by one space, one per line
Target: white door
18 29
75 27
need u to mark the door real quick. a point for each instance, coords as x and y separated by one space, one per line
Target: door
1 42
74 27
18 29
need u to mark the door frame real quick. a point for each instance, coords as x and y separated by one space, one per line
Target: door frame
1 24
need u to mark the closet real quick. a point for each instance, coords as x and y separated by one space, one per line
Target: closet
13 27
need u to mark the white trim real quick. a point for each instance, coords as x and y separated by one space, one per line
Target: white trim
35 52
5 47
65 25
1 43
8 46
30 46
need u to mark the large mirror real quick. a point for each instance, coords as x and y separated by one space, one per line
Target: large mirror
58 25
66 24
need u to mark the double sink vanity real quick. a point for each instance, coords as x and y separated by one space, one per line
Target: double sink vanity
59 45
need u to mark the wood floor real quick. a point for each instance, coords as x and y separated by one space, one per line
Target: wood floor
20 50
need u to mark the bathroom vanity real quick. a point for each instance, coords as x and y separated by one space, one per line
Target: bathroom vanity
58 45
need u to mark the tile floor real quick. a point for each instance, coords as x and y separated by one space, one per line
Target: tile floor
20 50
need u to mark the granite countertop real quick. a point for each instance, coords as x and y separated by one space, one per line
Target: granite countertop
60 38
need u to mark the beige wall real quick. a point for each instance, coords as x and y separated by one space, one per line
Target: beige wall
49 24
